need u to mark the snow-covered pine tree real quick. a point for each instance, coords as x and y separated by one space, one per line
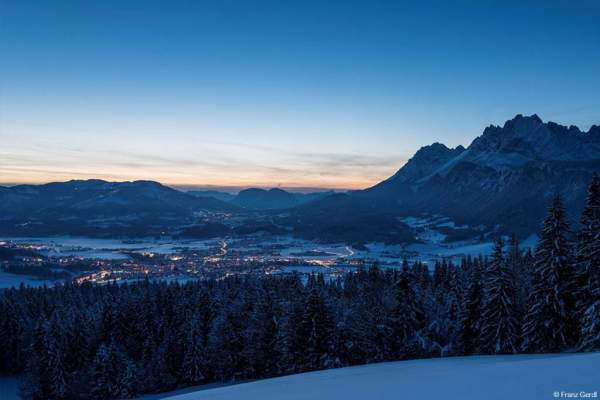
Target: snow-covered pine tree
157 376
365 320
55 348
548 324
112 376
588 269
263 339
58 382
101 386
520 270
514 262
443 330
498 325
194 362
316 329
406 316
471 310
227 343
78 335
38 382
11 337
128 381
453 309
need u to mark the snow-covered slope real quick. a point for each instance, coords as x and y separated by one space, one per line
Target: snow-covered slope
464 378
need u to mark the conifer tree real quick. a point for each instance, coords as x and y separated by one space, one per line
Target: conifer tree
128 382
194 356
109 369
38 383
228 343
549 321
316 329
588 269
263 338
498 326
102 375
11 337
406 316
58 373
471 310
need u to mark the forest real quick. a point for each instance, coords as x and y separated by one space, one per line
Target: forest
117 341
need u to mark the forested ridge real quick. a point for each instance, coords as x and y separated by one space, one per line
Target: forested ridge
116 341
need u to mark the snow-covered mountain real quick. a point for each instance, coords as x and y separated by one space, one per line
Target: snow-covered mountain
460 378
425 162
502 181
504 178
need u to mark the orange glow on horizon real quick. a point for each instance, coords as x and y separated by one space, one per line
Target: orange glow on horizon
327 183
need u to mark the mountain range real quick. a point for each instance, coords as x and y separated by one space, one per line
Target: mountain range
501 182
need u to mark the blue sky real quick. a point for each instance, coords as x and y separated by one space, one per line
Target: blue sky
290 93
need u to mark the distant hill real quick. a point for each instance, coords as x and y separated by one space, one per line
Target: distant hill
96 207
262 199
215 194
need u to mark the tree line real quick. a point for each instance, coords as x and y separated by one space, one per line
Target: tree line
116 341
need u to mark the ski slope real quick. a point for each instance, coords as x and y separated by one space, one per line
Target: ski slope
460 378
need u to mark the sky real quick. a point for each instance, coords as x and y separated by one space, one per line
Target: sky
311 94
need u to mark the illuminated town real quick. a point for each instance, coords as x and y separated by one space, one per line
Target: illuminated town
52 262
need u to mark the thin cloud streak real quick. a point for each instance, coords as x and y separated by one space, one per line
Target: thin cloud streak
194 162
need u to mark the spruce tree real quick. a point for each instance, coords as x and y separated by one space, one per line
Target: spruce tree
101 386
58 384
471 310
406 316
316 329
192 369
38 382
588 269
549 324
228 342
11 337
128 382
263 339
109 371
498 326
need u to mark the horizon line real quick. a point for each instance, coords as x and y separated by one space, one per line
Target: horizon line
184 187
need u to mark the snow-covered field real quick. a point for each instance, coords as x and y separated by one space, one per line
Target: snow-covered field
85 247
460 378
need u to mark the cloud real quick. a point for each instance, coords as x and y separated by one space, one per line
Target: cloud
183 160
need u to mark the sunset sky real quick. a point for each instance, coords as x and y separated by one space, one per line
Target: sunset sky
283 93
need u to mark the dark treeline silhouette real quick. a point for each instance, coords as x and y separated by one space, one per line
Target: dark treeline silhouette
115 341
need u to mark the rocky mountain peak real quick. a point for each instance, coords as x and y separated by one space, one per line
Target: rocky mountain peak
526 138
594 130
425 161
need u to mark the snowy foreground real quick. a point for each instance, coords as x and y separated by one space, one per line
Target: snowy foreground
464 378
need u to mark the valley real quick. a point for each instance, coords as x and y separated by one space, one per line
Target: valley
48 260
